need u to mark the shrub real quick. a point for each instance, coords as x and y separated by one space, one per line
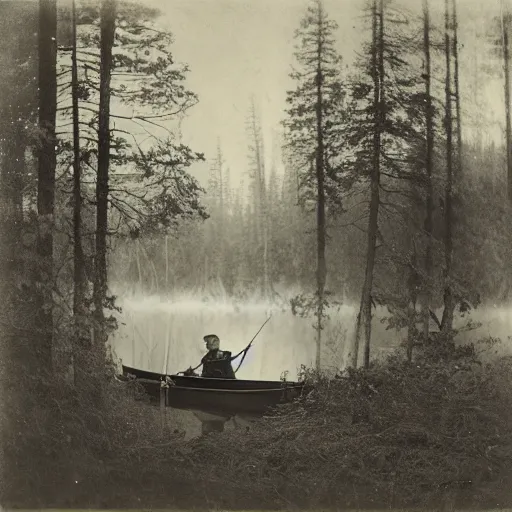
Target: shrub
67 447
397 434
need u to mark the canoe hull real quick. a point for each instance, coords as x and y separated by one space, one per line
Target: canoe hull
252 402
223 398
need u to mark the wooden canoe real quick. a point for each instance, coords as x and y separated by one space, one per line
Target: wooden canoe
220 397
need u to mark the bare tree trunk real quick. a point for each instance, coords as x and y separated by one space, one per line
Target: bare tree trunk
139 267
414 281
449 306
321 271
479 118
261 201
506 66
365 310
12 152
264 206
505 27
46 174
81 342
221 180
166 264
107 31
357 341
476 97
266 275
151 268
206 273
79 274
220 262
429 264
457 86
272 202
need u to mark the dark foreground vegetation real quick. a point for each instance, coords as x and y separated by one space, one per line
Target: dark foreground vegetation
431 433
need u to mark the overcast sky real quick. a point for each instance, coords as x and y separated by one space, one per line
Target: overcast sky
236 49
239 48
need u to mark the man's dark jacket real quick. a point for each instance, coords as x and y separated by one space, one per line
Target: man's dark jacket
217 365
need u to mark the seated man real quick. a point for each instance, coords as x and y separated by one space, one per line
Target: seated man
216 363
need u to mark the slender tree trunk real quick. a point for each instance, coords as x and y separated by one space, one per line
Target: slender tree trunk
139 266
264 230
257 178
508 123
429 264
357 340
476 96
266 276
321 271
81 342
107 31
260 201
273 210
457 86
79 274
505 27
206 273
260 204
166 264
365 310
414 281
221 266
151 267
79 279
221 180
12 153
264 221
449 306
47 162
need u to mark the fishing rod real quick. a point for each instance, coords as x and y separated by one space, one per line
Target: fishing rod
246 349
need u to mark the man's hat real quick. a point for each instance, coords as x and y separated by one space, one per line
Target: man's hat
209 337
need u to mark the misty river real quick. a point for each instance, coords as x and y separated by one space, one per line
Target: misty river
165 334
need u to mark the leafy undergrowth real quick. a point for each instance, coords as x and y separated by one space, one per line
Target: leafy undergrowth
398 435
95 445
436 431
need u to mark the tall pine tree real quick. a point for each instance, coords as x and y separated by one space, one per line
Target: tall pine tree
313 128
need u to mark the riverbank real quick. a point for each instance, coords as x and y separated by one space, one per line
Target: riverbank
397 436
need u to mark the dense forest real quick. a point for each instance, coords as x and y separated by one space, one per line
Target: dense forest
385 190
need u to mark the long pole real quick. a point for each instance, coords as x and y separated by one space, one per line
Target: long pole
167 263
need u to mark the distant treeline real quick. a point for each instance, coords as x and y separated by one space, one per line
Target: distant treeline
223 253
